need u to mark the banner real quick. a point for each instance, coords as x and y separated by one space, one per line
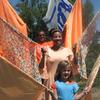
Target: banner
73 25
16 84
57 13
19 50
8 13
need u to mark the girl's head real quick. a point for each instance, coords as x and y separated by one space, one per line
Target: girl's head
63 71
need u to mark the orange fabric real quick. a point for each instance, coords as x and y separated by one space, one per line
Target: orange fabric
50 43
1 52
8 13
73 25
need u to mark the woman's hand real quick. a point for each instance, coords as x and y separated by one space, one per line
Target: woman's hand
43 50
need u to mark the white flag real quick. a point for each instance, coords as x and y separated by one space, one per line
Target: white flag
57 12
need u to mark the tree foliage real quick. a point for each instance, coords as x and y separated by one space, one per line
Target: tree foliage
88 13
32 13
72 1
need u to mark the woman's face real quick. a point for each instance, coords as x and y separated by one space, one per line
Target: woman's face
41 36
57 38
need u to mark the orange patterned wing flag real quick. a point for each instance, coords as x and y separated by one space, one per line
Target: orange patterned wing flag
18 50
8 13
73 25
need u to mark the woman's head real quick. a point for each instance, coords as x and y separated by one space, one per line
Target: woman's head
63 71
56 37
41 36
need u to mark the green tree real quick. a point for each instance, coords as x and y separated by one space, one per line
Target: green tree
88 13
32 13
72 1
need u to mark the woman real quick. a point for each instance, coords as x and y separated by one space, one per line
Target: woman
41 43
52 56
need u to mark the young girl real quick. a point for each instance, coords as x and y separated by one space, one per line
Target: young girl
64 87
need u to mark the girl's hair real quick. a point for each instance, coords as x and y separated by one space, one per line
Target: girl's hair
63 64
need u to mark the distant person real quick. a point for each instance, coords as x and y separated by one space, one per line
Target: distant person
41 37
42 42
64 87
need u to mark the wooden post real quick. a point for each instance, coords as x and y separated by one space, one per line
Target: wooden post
92 77
94 72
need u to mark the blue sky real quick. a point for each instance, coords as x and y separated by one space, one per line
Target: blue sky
14 2
96 4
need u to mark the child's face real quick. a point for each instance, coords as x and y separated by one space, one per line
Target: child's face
65 73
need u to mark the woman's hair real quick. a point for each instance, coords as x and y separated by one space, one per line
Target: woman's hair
63 64
53 30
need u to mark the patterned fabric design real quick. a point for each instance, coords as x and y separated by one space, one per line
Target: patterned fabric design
19 50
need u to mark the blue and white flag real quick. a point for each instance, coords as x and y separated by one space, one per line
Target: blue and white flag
58 11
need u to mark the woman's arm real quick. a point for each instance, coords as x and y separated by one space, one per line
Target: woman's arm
43 62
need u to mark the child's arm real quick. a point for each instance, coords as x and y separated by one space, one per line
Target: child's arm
53 92
54 97
83 93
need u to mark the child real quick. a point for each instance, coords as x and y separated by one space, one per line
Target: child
64 87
